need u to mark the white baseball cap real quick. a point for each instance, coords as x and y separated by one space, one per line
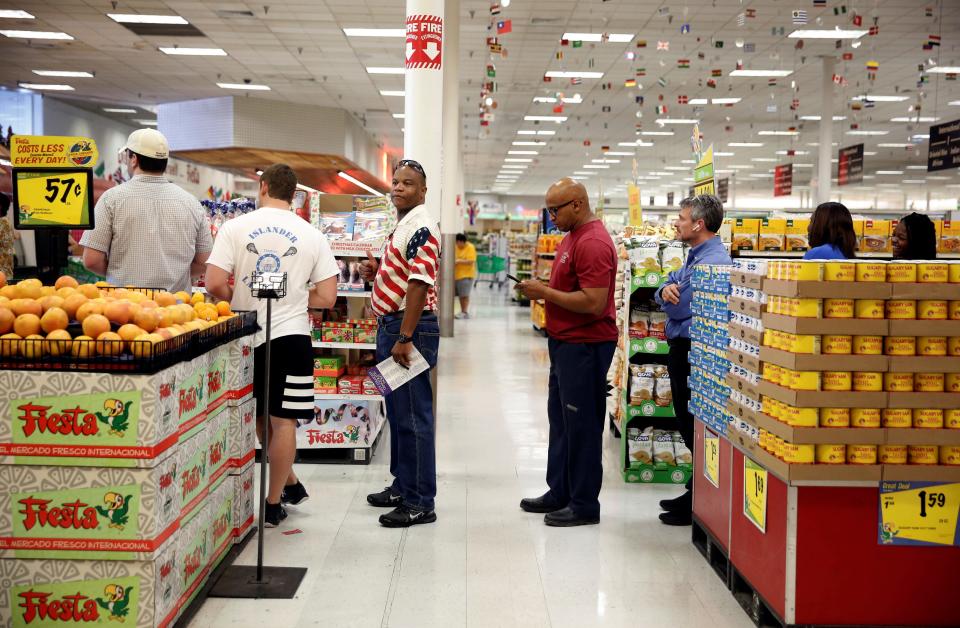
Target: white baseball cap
149 143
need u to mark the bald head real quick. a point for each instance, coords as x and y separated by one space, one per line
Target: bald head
567 189
569 204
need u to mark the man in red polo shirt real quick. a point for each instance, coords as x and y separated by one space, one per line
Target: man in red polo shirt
581 323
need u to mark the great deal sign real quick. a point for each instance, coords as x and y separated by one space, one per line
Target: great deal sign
424 41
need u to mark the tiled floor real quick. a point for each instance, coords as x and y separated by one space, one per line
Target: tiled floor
485 563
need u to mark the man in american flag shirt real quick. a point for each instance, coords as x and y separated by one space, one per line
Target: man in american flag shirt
405 302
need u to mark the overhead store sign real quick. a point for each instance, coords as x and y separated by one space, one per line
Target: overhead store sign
850 165
919 513
783 180
723 189
424 42
703 181
53 181
944 146
633 203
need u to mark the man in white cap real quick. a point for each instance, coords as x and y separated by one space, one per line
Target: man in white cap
148 231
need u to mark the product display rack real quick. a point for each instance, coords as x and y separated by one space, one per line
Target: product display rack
542 267
522 251
810 544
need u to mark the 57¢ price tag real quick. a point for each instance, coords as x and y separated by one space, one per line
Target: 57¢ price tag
53 198
919 513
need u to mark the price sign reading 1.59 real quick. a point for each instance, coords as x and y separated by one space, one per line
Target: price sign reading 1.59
755 493
53 198
919 513
711 457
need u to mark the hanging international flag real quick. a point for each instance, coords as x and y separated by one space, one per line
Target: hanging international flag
795 104
928 12
712 84
799 17
701 55
504 27
741 19
604 148
718 43
605 109
558 109
873 66
772 82
739 64
684 29
559 55
638 100
546 79
777 31
840 10
933 40
662 82
641 72
751 13
491 70
661 110
857 20
683 63
682 99
847 56
495 48
874 30
716 72
630 83
749 47
576 81
950 77
856 106
663 45
641 43
577 43
819 3
494 9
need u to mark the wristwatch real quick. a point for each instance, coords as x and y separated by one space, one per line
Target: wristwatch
404 339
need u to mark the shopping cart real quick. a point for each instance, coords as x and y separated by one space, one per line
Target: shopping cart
491 269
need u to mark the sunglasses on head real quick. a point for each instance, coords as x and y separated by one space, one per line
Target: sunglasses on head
413 164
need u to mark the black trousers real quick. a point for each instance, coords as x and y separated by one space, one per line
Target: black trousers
577 408
678 362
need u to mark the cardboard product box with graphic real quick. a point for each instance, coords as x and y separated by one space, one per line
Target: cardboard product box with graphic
772 234
218 385
193 554
876 236
240 370
797 234
221 522
87 419
244 499
141 594
193 473
745 233
949 237
339 424
218 458
241 433
87 513
192 395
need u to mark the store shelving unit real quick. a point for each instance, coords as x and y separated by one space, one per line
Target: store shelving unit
521 261
351 294
344 345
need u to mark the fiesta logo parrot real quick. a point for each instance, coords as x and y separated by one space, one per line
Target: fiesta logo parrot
117 509
117 601
352 433
116 416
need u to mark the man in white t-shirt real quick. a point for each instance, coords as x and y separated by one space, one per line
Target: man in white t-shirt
274 239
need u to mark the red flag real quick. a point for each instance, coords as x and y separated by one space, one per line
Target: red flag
858 20
504 27
682 99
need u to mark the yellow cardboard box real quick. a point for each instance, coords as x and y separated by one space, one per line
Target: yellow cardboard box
796 234
745 234
772 234
876 236
950 237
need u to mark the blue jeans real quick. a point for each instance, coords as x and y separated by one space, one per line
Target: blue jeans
413 456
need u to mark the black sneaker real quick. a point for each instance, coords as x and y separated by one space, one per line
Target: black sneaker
403 517
384 499
294 495
274 514
684 503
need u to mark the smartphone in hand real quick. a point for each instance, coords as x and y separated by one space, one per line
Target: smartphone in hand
512 278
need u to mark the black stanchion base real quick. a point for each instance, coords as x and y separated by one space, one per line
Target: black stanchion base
240 581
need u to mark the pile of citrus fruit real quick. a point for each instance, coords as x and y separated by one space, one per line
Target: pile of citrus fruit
35 320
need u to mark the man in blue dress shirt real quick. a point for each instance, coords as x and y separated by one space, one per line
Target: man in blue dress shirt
700 219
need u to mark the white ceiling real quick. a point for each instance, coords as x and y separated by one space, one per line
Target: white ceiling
297 47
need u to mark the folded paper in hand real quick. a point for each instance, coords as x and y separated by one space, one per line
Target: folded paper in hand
389 376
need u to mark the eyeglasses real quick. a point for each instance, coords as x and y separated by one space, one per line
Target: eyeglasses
553 210
412 164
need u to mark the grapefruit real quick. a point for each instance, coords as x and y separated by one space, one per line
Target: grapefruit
26 325
96 324
149 304
129 332
65 292
29 290
9 345
118 312
182 297
89 308
51 301
109 343
164 299
145 345
72 303
54 319
89 290
83 347
165 333
223 308
147 319
47 291
31 347
66 281
26 306
6 320
10 292
58 342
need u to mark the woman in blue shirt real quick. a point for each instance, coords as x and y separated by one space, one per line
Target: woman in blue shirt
831 233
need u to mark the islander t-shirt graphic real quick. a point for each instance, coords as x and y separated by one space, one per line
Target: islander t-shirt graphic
270 259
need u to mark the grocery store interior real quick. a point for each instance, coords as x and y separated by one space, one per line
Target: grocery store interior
824 452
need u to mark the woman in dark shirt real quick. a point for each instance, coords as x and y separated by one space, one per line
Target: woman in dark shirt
915 238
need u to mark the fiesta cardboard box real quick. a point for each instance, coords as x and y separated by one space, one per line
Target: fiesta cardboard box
241 434
218 384
822 435
826 326
796 233
243 502
745 234
87 419
141 594
194 553
772 234
88 513
821 362
218 456
921 473
221 522
193 470
748 280
240 370
340 424
949 237
919 400
924 328
830 399
876 237
192 395
827 289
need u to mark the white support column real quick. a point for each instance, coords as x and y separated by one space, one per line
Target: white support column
825 152
450 215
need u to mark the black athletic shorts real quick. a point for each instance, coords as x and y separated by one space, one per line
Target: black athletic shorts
291 377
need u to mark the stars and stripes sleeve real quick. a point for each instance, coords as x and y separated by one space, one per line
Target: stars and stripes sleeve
423 255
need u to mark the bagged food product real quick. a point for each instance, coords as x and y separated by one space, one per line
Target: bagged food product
663 453
682 452
672 256
645 255
658 325
642 384
639 321
663 395
640 445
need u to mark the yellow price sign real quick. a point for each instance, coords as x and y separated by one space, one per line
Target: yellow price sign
711 457
633 203
919 513
755 493
53 198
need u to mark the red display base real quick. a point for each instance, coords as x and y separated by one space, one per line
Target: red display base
711 503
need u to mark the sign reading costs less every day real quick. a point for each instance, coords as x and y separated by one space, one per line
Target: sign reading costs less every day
52 181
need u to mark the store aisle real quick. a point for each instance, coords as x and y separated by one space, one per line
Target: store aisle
485 563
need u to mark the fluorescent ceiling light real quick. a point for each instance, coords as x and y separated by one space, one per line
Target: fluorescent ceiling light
804 166
859 132
584 173
513 167
557 119
920 137
914 181
746 144
662 121
719 153
146 122
765 159
869 153
119 110
605 161
51 87
578 178
741 166
641 143
817 118
656 133
778 133
761 73
516 160
725 101
679 168
523 143
613 38
621 153
4 162
301 186
697 101
35 35
525 132
562 74
954 103
944 69
661 174
889 172
894 145
916 167
375 32
194 52
596 166
878 98
399 116
13 14
916 119
392 92
344 175
796 152
688 161
132 18
522 152
626 143
250 86
836 33
63 73
383 70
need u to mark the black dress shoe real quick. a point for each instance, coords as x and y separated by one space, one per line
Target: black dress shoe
678 504
681 518
539 505
566 518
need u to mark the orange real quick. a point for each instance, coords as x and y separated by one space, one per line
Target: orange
149 304
118 312
164 299
9 345
109 343
89 290
129 332
165 332
136 297
28 290
54 319
147 319
26 306
197 297
145 345
165 318
51 301
65 292
188 311
96 324
72 303
83 347
47 291
66 281
223 308
88 309
6 320
103 284
32 347
10 292
182 297
58 342
26 325
177 315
